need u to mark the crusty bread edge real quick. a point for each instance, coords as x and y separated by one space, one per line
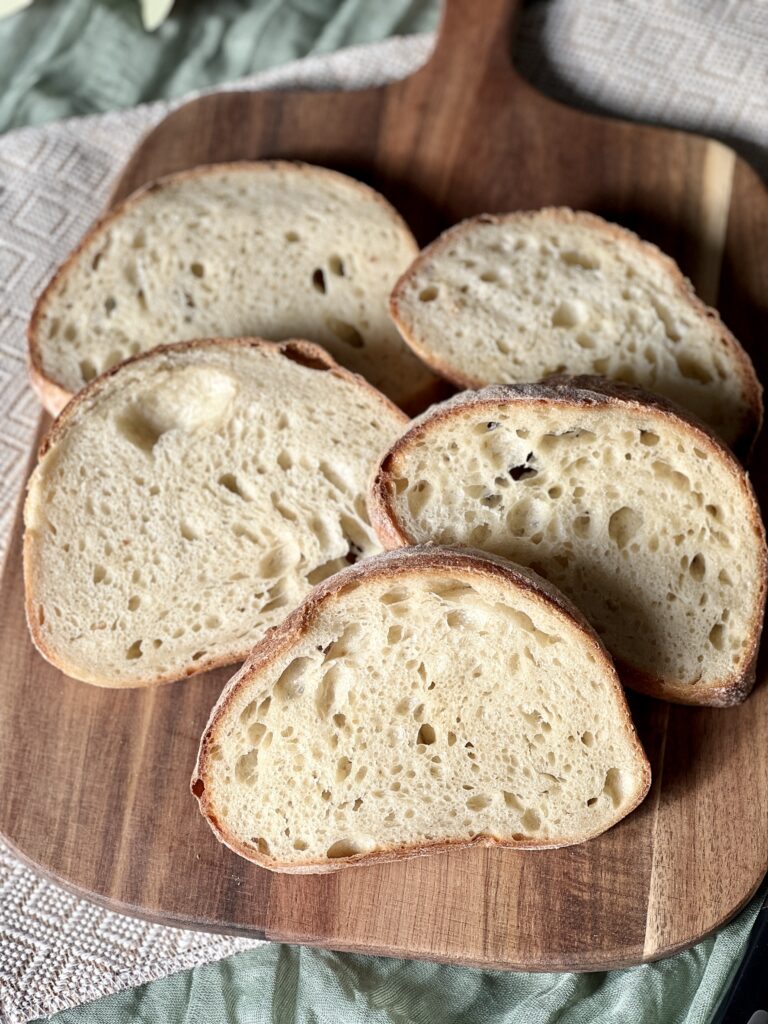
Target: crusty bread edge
394 564
308 353
752 390
579 392
52 396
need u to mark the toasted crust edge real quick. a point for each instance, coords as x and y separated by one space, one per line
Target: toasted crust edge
52 395
394 564
309 353
590 392
751 388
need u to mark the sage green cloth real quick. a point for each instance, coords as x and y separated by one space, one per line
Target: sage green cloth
289 985
67 57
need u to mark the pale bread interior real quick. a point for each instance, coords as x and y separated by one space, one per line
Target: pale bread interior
516 298
270 250
191 502
417 705
651 531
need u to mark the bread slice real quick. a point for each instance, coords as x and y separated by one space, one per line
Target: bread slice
421 700
636 512
277 250
188 499
519 296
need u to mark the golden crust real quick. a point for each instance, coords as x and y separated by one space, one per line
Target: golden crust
391 565
305 352
751 388
581 392
52 396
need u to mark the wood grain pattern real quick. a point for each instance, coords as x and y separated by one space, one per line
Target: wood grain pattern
95 782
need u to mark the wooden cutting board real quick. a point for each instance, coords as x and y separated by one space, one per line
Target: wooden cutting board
95 783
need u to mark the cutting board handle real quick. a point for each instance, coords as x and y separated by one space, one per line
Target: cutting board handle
476 35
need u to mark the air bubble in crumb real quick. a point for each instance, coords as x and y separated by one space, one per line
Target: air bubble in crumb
134 651
345 332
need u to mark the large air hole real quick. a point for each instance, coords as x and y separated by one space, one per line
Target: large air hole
256 733
87 370
524 470
343 644
229 480
665 472
491 501
355 535
326 691
426 734
245 767
613 787
345 332
333 477
188 533
717 636
581 525
134 651
275 563
324 571
345 848
513 801
138 429
572 258
667 320
336 266
298 354
698 567
289 685
692 369
418 496
623 525
530 821
570 313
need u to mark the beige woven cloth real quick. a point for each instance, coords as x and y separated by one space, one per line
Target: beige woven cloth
700 65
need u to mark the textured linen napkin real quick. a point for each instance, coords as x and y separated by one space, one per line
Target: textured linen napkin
55 949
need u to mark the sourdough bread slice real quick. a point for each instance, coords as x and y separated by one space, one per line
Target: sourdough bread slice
635 511
421 700
274 250
188 499
517 297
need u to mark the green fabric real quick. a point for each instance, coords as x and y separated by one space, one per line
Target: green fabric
290 985
66 57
